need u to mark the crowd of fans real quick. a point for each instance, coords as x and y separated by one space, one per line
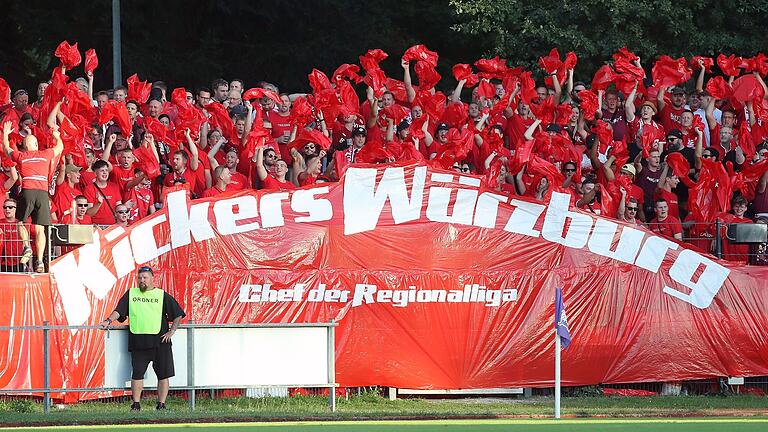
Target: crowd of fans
666 151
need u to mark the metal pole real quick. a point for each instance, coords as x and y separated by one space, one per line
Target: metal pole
332 365
718 240
117 67
46 369
191 366
557 375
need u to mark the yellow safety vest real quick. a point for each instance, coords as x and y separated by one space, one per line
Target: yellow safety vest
145 310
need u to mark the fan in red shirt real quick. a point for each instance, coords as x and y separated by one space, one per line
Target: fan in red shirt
103 195
140 199
16 250
184 168
237 181
34 166
664 224
276 180
671 114
732 251
67 191
8 177
664 191
223 178
78 214
281 125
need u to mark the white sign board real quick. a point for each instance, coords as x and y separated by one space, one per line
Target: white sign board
233 357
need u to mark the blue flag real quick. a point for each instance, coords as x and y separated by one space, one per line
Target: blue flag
561 321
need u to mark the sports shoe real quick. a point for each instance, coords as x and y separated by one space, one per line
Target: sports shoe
160 406
26 255
135 406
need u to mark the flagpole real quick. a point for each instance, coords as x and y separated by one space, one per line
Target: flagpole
557 375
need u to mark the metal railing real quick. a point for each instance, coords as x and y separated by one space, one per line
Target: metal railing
46 390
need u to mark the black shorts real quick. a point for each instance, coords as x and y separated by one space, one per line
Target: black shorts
161 358
35 203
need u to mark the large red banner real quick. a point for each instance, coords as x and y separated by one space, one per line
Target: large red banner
435 281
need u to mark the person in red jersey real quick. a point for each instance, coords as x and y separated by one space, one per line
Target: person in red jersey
276 180
34 166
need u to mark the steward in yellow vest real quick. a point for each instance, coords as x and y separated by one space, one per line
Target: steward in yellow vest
148 310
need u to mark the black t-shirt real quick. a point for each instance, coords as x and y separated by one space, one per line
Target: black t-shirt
171 311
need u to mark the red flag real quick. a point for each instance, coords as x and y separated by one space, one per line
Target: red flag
570 61
301 112
68 54
679 164
5 93
486 89
348 71
305 136
395 112
397 88
707 61
258 93
747 88
718 88
461 71
91 61
491 68
220 118
729 65
319 81
117 112
421 53
428 76
138 90
758 63
588 104
603 78
372 58
669 72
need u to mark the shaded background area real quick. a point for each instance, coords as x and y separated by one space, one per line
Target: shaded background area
191 43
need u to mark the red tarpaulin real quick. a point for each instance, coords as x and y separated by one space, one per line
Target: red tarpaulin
435 282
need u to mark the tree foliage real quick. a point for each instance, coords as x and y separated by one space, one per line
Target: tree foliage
524 31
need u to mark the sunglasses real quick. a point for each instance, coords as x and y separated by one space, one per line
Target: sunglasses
570 170
122 211
83 205
706 155
9 207
632 208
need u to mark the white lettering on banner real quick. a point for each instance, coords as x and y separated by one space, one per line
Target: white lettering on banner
372 294
364 201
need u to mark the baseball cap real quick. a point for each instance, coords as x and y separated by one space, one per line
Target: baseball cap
677 90
443 126
70 168
675 133
359 130
629 168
